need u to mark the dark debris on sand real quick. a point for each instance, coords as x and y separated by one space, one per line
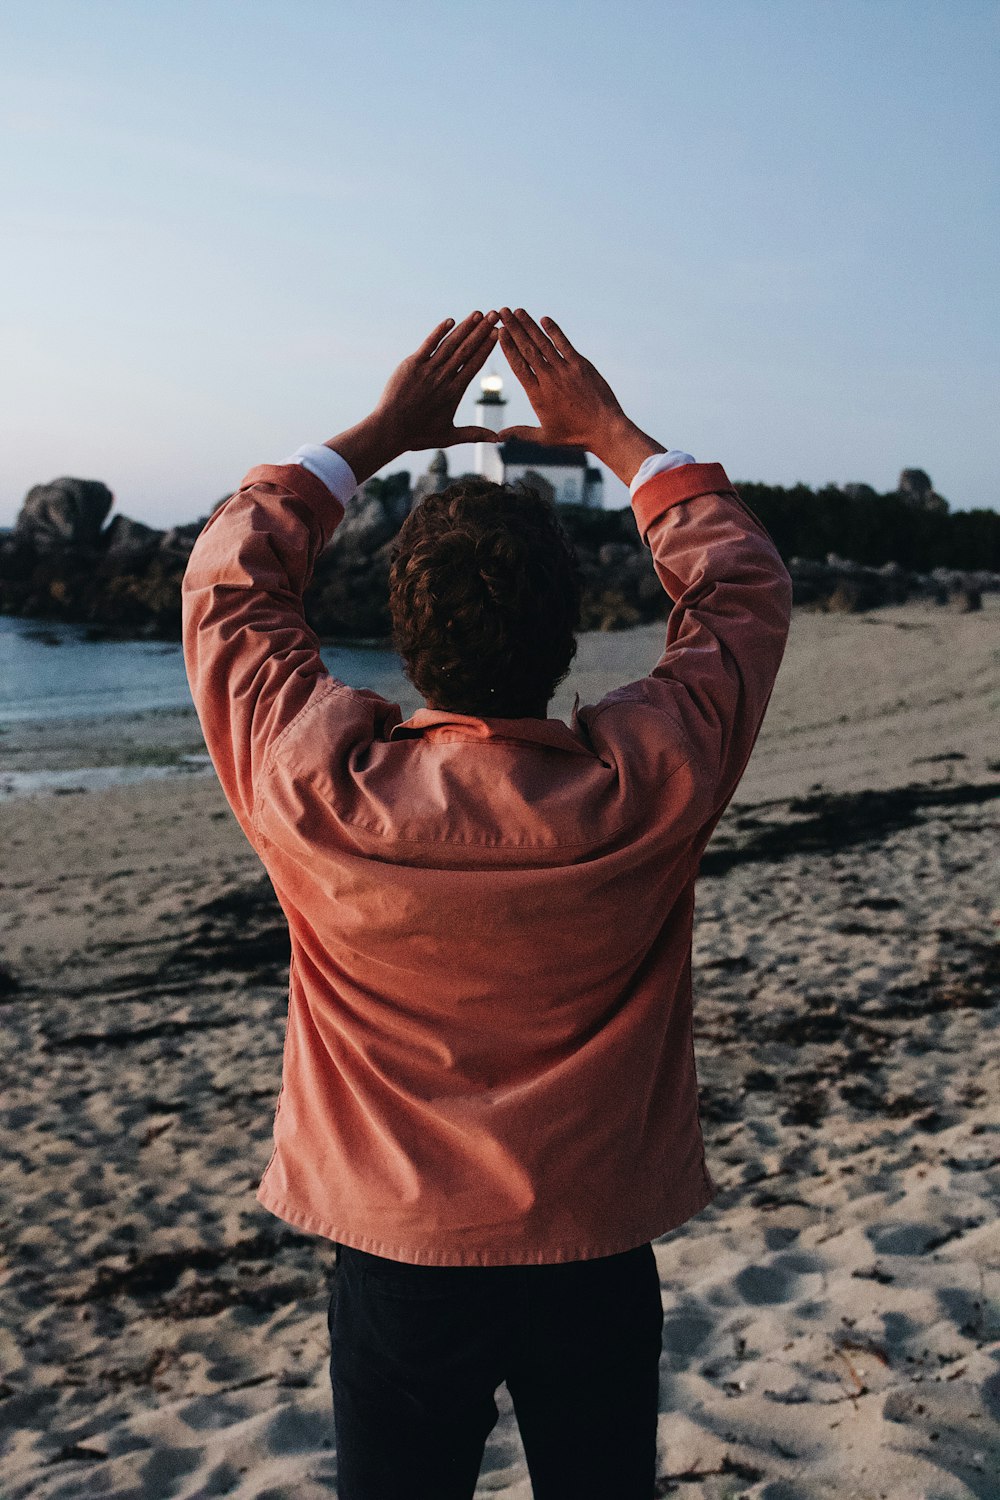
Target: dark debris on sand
262 1272
826 822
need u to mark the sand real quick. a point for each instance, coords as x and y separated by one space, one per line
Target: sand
832 1320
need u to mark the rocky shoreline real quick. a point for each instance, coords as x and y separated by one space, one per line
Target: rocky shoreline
65 561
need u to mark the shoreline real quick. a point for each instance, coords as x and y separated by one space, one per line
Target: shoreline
906 693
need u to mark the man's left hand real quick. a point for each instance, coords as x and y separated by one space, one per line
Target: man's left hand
422 395
417 408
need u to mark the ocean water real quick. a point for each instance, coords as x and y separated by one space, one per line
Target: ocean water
51 671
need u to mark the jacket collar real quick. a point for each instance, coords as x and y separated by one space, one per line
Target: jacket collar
435 723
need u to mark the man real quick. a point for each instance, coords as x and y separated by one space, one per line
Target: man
489 1098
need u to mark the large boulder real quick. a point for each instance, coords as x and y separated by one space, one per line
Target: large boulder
179 541
915 487
435 480
65 513
915 484
372 518
126 540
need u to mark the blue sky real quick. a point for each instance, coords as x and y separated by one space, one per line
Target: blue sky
772 224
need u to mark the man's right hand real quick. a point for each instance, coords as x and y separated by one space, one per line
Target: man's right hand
573 402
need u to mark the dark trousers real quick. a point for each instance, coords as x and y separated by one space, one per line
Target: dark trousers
418 1352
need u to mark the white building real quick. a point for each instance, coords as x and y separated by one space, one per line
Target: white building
573 480
489 413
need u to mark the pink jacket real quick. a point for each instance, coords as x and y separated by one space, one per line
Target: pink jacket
488 1055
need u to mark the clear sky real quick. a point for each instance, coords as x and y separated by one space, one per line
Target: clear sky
772 224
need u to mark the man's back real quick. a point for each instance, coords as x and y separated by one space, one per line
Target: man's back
489 1051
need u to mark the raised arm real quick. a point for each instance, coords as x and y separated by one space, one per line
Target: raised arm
252 661
726 633
730 589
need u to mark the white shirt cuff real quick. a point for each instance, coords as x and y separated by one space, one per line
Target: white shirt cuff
658 463
335 472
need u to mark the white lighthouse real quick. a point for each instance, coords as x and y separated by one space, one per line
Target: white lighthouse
489 413
561 474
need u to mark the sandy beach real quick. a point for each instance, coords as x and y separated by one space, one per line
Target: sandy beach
832 1319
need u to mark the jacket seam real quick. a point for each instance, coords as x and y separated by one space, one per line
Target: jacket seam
501 739
268 767
666 712
478 844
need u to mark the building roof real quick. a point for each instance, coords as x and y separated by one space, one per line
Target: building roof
520 451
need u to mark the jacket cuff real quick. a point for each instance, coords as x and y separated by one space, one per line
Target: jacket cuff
667 489
297 480
335 472
658 463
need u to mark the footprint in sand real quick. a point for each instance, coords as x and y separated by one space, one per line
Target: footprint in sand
907 1238
294 1430
684 1334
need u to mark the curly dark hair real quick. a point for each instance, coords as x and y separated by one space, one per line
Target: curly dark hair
484 593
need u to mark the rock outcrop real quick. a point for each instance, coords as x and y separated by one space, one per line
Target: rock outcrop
435 480
64 513
133 539
915 485
838 585
62 562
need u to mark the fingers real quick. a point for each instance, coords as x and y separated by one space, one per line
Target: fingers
516 359
532 343
560 340
473 360
468 350
453 344
475 435
541 340
446 337
432 340
530 434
